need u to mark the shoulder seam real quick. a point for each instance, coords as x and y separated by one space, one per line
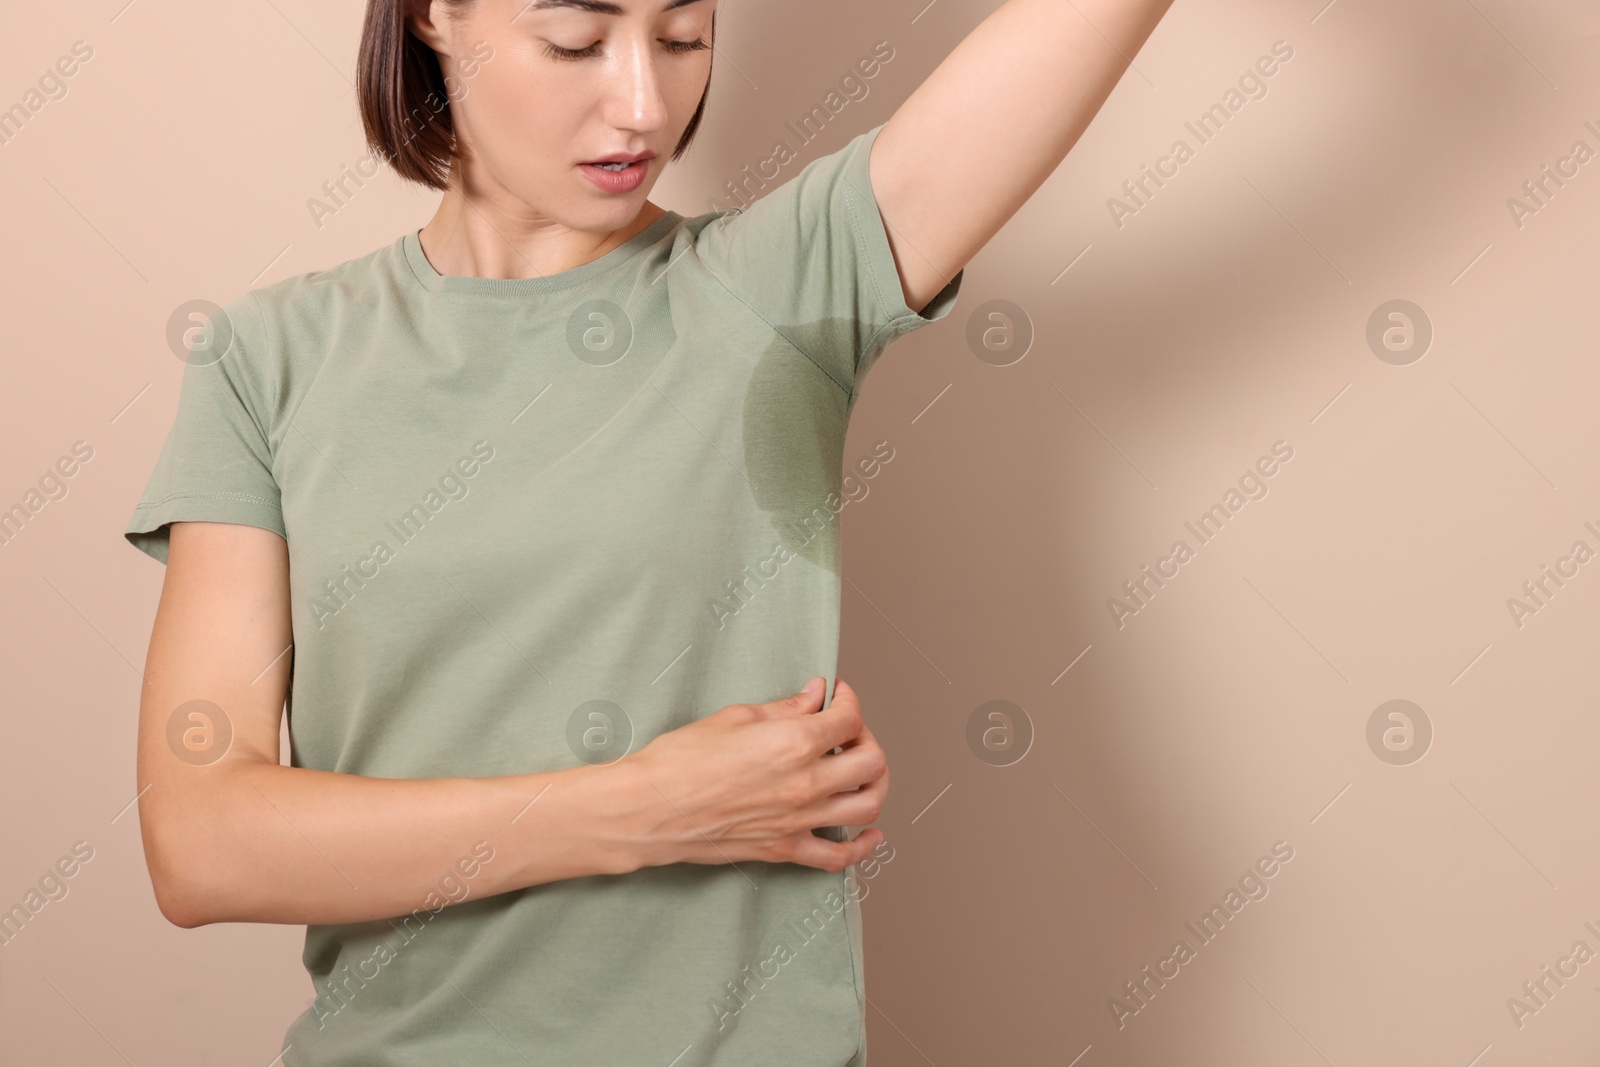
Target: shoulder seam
266 328
774 326
257 377
287 418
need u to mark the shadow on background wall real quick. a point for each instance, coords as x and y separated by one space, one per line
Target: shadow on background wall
1155 757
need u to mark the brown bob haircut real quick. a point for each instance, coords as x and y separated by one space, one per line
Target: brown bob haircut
405 102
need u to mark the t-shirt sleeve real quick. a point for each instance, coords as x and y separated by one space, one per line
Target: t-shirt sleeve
812 258
216 464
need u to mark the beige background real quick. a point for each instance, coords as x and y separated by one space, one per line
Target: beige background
1229 714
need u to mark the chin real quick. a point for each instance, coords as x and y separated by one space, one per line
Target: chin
614 213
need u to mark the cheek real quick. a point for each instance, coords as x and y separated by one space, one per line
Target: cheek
510 116
694 75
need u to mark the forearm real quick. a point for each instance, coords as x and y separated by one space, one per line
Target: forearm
1051 64
247 841
1028 80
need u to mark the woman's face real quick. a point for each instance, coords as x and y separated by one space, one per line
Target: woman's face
566 82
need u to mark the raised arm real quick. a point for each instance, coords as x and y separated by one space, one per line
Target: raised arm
992 122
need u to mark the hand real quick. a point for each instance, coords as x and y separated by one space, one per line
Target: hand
751 781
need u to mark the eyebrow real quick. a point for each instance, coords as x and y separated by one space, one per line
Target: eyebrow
598 7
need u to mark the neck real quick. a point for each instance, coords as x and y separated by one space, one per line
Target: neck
473 238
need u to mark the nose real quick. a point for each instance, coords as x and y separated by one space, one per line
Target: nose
636 102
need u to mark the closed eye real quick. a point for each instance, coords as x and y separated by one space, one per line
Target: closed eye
555 51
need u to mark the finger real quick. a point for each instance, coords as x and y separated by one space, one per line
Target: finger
864 736
801 703
814 851
853 695
852 807
868 741
851 768
837 723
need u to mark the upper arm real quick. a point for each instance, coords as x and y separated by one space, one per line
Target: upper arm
217 669
981 134
215 680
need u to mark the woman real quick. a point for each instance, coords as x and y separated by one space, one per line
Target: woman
530 519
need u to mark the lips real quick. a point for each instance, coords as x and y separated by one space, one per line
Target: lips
620 177
621 157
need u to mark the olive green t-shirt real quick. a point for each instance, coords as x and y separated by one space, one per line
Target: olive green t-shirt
540 521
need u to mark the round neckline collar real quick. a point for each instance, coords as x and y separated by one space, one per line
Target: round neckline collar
431 280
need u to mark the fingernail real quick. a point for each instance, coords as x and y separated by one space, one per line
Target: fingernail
815 685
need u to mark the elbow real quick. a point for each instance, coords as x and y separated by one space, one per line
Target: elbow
176 908
174 878
194 848
176 896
